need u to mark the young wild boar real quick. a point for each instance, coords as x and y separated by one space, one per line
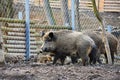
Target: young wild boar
68 43
44 58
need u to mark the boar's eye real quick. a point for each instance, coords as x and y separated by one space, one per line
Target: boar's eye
48 40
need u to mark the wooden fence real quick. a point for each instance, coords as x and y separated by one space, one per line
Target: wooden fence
112 5
14 39
103 5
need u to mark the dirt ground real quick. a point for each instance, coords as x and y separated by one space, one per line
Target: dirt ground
34 71
16 68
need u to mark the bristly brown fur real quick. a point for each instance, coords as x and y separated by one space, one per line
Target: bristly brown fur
70 43
112 40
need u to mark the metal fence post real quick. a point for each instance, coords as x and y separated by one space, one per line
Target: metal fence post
27 24
73 13
109 28
20 15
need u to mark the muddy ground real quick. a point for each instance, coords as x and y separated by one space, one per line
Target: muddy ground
66 72
35 71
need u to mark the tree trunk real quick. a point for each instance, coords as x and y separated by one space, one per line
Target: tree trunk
48 12
101 20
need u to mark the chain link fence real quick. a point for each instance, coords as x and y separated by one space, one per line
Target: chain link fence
59 13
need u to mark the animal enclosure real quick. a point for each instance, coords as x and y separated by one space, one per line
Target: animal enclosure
52 15
87 20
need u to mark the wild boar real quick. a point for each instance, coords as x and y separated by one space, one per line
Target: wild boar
68 43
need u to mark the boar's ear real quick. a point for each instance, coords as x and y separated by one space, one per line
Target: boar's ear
51 35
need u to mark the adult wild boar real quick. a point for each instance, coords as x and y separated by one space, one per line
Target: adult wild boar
68 43
98 42
97 37
113 45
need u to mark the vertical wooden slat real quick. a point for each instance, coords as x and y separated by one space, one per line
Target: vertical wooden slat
101 5
69 4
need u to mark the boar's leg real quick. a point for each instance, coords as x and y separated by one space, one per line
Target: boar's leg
92 57
95 56
106 57
112 56
56 57
74 58
85 61
94 60
98 57
62 59
60 56
83 53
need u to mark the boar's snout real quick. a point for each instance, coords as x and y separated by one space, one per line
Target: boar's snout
43 49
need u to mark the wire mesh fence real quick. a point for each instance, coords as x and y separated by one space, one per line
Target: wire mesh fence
60 13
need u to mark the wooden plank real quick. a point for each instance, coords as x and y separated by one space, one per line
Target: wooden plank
15 54
116 2
117 8
35 35
86 5
54 1
23 42
118 5
13 29
49 27
114 10
10 20
41 27
109 10
16 29
111 6
15 25
16 38
55 4
85 2
90 8
20 50
16 34
23 34
101 5
18 46
15 42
